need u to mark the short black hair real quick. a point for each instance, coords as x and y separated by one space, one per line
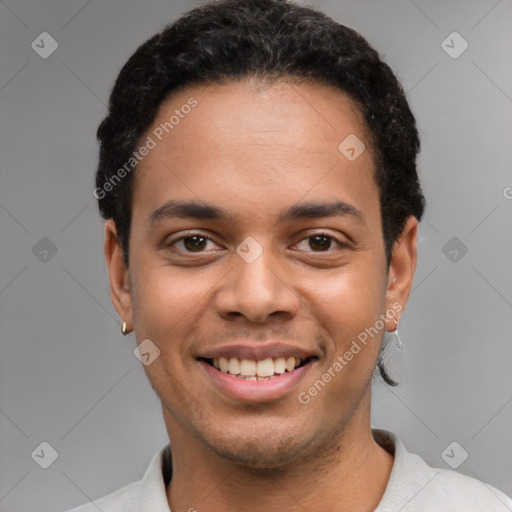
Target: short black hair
272 40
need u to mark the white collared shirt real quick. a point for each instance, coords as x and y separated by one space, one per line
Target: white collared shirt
413 486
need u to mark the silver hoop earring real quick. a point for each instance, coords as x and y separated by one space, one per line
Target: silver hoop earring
398 342
393 354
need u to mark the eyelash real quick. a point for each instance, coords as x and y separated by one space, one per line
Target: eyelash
192 234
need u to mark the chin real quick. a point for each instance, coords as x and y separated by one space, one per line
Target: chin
259 456
262 451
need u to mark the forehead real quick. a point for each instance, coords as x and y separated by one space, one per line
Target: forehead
305 115
249 140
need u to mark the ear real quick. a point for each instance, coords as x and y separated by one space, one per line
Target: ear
118 275
401 271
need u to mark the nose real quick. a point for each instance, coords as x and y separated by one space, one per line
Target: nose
256 291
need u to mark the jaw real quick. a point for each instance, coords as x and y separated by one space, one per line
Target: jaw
269 438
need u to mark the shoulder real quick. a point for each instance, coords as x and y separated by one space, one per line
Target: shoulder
118 501
456 492
415 486
145 495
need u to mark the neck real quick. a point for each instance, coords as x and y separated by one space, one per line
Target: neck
351 474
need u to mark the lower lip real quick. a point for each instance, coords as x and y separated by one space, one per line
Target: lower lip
256 390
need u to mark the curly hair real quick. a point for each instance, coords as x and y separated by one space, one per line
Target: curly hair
272 40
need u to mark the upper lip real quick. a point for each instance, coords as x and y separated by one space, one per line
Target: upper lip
257 351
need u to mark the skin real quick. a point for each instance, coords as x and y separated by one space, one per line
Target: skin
256 150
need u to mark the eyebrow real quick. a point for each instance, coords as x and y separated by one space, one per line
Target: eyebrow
204 211
188 209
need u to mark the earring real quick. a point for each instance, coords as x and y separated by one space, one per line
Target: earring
398 342
393 355
124 329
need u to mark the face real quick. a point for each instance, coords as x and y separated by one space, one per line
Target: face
256 263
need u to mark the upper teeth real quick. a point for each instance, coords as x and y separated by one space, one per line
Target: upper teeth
252 368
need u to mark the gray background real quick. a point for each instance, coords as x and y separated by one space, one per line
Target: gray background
67 375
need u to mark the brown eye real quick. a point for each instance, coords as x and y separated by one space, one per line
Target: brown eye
195 243
320 242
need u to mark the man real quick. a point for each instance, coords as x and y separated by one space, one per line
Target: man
257 176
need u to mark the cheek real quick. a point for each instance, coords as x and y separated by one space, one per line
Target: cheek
169 308
347 302
167 301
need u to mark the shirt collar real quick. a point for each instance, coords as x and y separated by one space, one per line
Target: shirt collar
409 474
152 494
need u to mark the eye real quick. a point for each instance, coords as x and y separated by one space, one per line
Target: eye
319 242
194 242
198 243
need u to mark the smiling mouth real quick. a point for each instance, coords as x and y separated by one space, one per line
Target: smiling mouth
256 370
